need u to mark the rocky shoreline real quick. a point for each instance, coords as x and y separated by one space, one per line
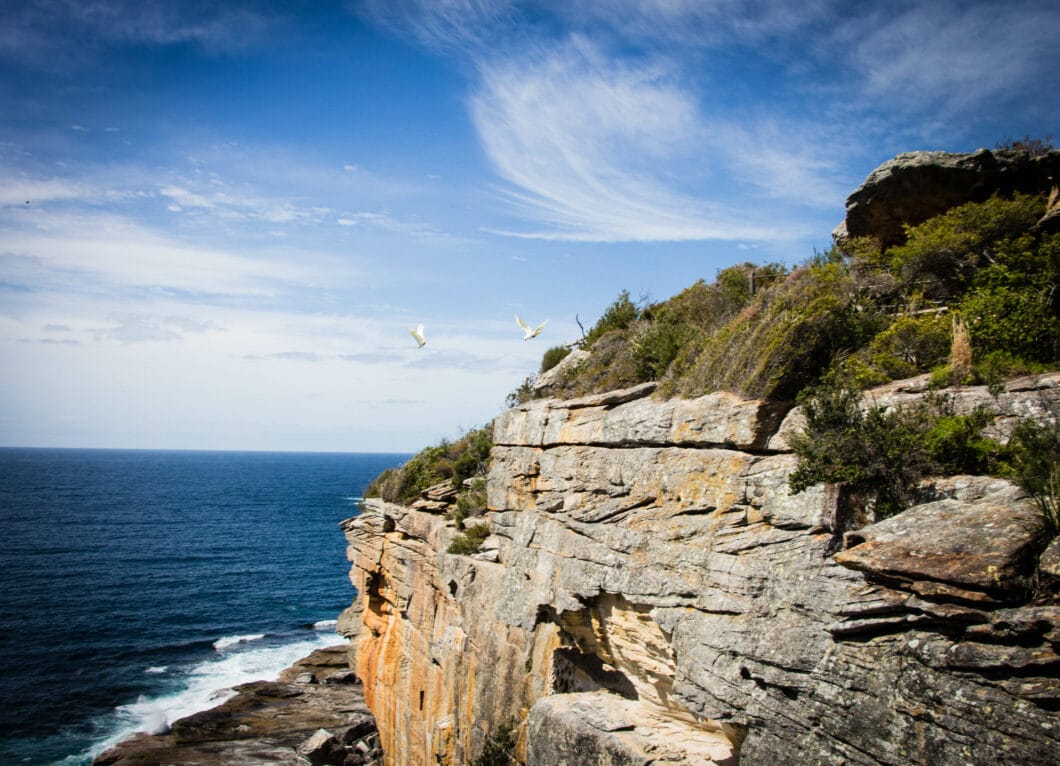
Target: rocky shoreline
313 713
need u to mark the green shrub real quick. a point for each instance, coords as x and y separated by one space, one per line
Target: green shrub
521 394
1035 147
908 346
944 376
912 344
553 356
780 342
696 311
404 484
611 365
739 283
954 444
857 372
499 749
456 461
943 254
870 268
994 367
469 541
470 501
881 455
876 454
618 316
1035 465
471 454
1017 322
384 485
656 347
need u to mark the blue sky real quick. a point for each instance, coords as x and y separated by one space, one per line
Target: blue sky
218 219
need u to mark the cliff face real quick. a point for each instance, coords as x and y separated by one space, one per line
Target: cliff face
652 594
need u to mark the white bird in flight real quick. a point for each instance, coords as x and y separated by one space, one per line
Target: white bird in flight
529 332
417 333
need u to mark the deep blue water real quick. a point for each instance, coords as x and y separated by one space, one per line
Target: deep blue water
135 584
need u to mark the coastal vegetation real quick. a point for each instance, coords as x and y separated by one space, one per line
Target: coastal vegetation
499 749
553 356
969 296
881 454
1035 465
859 311
470 500
470 540
466 458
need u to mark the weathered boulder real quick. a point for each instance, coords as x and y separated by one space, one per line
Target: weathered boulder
602 727
985 546
322 748
1049 564
437 498
915 186
547 380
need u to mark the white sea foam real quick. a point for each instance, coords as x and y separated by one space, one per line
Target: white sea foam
203 686
325 624
154 718
226 641
156 670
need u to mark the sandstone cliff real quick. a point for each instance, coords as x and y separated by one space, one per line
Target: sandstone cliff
652 594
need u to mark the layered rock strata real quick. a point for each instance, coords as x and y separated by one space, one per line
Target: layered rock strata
651 593
313 714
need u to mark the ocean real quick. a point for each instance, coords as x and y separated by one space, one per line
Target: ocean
136 586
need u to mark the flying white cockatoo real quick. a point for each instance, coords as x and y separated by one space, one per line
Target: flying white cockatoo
417 333
529 332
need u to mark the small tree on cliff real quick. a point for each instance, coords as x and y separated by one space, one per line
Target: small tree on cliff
499 749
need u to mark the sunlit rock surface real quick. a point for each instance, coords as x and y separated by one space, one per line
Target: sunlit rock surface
657 596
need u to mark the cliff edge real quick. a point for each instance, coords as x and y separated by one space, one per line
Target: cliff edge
651 593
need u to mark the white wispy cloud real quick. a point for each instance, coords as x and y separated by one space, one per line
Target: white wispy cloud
386 222
141 328
18 190
236 206
956 55
586 143
108 250
184 198
789 160
355 219
449 25
457 359
51 341
695 24
597 145
600 141
35 33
